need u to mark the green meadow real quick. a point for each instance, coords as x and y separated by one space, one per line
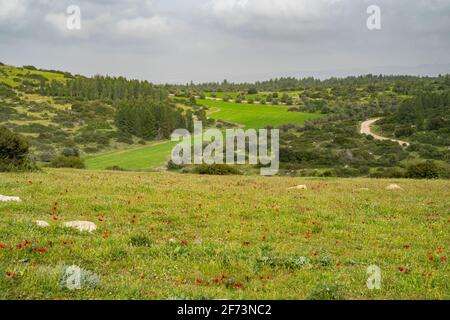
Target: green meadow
156 155
180 236
140 158
255 116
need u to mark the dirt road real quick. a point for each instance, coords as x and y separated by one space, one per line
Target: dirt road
365 129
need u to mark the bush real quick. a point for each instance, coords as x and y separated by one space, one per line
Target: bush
68 162
14 151
424 170
172 166
326 292
71 152
217 169
116 168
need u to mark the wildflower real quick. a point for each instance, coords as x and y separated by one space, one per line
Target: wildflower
8 273
400 269
14 276
199 281
338 264
19 246
184 242
444 258
42 250
216 280
440 250
314 253
142 277
238 285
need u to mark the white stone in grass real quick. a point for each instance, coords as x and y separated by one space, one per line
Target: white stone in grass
42 223
299 187
394 187
81 225
6 199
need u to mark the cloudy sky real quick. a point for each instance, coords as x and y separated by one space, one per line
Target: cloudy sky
238 40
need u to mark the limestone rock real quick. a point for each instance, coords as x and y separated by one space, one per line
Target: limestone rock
299 187
6 199
394 187
42 224
81 225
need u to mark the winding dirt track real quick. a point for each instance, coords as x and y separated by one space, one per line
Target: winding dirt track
365 129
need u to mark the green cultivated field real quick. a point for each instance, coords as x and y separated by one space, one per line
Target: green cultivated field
250 116
141 158
255 116
163 236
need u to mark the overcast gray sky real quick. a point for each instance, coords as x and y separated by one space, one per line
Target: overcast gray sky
240 40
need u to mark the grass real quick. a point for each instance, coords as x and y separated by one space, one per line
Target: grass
163 235
255 116
156 155
14 75
140 158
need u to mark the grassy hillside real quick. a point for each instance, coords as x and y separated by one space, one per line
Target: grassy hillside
166 236
140 158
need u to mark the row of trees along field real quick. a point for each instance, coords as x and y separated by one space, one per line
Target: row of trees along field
372 83
100 87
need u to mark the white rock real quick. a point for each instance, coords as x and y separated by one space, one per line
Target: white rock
81 225
6 198
394 187
299 187
42 224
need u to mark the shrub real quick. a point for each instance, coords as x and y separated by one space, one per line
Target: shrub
172 166
71 152
326 292
116 168
14 151
217 169
424 170
140 241
68 162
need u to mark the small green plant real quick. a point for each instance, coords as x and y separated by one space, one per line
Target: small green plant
217 169
140 241
326 292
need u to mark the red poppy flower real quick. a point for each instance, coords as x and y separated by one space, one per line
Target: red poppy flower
8 273
238 285
19 246
27 242
199 281
400 269
338 264
440 250
444 258
14 276
142 277
42 250
216 280
184 242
